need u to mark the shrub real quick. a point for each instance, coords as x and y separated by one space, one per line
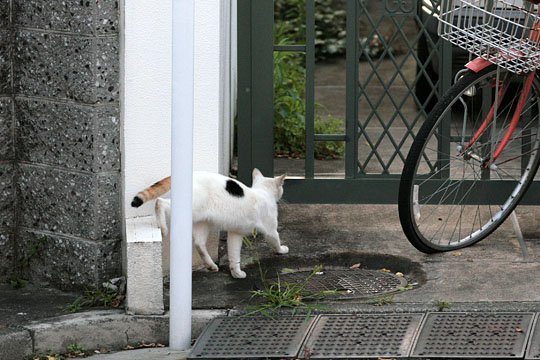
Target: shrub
330 24
289 105
329 149
289 99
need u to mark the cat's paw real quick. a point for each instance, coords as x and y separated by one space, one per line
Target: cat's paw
212 268
238 274
283 250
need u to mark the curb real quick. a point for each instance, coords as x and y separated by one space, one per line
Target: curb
109 329
146 354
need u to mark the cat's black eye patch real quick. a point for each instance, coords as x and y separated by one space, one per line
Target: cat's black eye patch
234 189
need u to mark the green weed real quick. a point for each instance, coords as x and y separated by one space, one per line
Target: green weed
75 350
93 297
406 287
279 295
17 282
383 300
441 305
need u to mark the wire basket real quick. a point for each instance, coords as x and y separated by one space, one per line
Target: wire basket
504 32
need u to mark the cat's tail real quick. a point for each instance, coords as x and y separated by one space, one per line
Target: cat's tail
152 192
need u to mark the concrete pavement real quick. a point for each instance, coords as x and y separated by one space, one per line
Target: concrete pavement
144 354
491 276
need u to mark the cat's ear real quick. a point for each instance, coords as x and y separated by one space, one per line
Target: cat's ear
280 180
256 174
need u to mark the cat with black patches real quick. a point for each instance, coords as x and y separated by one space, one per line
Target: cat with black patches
220 202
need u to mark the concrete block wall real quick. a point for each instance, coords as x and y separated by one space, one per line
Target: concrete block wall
60 161
7 154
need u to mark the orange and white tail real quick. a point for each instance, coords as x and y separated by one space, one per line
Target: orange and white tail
152 192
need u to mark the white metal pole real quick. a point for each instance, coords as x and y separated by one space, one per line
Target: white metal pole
182 168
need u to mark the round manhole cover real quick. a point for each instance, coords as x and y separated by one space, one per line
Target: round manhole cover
345 283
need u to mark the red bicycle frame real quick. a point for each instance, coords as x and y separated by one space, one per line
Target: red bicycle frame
478 64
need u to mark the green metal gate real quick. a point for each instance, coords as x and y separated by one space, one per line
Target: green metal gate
386 92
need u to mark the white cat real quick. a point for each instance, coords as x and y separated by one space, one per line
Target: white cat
226 204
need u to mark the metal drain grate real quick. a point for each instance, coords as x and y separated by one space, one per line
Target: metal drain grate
479 335
533 352
363 335
252 337
348 283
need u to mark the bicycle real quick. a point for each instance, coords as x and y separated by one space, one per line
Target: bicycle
478 151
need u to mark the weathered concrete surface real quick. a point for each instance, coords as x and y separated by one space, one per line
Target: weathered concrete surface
491 276
144 354
87 18
94 330
492 271
15 344
144 277
59 112
34 320
31 303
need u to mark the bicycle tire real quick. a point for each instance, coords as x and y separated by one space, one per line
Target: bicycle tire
442 203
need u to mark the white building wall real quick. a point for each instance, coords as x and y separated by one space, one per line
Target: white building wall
147 93
207 114
146 103
146 106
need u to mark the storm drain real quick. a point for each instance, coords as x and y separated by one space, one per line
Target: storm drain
252 337
478 335
346 283
365 335
533 351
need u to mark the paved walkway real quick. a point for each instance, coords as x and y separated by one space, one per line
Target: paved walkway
491 277
493 271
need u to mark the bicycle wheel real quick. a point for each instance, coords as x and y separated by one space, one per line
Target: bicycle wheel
448 197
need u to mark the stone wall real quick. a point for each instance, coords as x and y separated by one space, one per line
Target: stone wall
7 154
60 216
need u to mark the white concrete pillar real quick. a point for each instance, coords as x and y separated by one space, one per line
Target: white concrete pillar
144 290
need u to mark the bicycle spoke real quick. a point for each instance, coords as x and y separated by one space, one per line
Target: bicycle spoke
453 206
447 195
516 157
